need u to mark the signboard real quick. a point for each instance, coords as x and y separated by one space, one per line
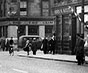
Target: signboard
62 10
32 22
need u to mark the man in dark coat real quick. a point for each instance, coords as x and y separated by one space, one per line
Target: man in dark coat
52 45
79 50
45 45
3 43
7 45
11 46
34 46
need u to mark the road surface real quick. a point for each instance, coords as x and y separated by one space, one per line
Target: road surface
16 64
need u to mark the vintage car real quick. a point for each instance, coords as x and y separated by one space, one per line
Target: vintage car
24 38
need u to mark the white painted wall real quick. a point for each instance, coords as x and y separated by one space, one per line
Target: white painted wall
12 31
26 30
42 31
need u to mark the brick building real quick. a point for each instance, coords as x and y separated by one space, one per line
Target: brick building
26 17
68 24
43 17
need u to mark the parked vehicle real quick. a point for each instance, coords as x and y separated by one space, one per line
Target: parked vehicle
23 38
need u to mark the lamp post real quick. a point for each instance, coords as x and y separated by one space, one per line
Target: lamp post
82 23
18 22
82 18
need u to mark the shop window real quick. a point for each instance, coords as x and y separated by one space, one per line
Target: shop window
48 30
5 31
33 30
21 30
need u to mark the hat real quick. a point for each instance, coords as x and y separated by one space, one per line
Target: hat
34 38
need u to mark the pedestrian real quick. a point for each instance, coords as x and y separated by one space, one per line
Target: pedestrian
34 46
3 43
79 50
7 45
11 50
45 45
27 47
52 45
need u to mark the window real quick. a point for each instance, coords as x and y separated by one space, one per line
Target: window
23 4
45 12
22 9
45 4
33 30
45 7
23 12
86 18
22 30
48 29
79 9
86 8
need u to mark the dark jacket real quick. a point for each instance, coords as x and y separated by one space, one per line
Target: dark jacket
34 46
79 49
45 44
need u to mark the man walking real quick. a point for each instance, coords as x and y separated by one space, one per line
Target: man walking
79 50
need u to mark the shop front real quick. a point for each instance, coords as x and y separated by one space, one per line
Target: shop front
11 27
65 30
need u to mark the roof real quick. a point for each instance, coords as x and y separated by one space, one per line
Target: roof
23 36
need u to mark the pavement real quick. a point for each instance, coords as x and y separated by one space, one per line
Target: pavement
55 57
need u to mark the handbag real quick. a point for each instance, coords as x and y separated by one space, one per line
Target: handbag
24 49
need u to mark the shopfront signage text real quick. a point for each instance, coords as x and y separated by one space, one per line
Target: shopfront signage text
32 22
62 11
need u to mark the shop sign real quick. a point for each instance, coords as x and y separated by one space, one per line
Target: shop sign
4 23
13 22
41 22
24 22
45 22
32 22
62 11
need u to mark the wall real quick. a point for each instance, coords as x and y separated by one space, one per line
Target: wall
12 31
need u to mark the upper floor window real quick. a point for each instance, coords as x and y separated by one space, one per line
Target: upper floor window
79 9
23 4
23 13
45 4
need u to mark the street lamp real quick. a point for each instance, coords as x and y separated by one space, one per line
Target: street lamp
18 21
82 18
